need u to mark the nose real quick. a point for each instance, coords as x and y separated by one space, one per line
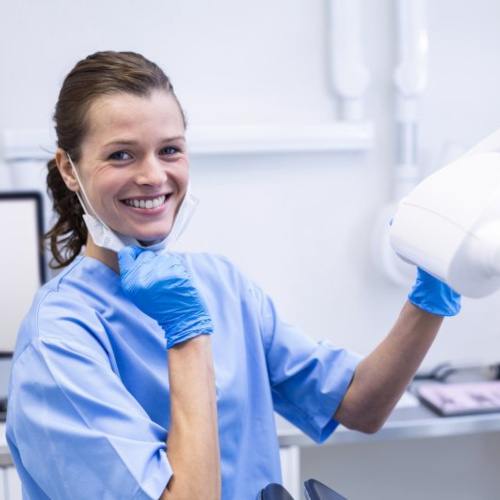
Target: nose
151 172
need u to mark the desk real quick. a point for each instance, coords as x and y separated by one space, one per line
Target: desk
404 423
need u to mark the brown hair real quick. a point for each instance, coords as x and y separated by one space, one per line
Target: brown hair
102 73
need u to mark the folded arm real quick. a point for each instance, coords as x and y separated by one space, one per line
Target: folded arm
192 444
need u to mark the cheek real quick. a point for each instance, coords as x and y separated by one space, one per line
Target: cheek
183 178
181 171
103 190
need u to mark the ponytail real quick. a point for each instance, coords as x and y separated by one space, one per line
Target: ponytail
69 233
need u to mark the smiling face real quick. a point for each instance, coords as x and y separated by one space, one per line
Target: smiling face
133 163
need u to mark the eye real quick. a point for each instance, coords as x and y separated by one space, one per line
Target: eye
120 156
170 150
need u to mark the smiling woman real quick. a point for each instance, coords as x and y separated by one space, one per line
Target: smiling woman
118 119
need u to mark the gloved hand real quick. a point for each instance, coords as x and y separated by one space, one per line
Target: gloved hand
161 287
434 296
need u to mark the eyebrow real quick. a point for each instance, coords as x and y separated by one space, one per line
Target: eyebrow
125 142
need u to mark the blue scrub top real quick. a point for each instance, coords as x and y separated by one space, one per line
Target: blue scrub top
89 407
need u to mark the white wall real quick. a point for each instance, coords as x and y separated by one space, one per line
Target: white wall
299 224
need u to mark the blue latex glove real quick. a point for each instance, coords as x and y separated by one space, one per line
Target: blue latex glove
434 296
161 287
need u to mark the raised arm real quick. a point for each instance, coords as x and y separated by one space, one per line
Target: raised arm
161 287
381 378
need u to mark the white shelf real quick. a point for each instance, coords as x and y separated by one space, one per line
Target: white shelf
38 144
258 139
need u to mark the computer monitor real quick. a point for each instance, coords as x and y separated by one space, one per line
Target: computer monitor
22 267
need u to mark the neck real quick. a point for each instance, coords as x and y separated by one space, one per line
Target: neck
107 257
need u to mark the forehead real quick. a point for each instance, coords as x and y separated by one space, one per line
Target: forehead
125 115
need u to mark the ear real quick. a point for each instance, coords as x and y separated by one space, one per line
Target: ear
66 170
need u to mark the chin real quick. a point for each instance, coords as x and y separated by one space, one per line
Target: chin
151 240
148 235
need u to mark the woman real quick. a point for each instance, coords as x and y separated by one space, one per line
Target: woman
98 407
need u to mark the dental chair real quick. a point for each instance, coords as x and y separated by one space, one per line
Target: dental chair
313 490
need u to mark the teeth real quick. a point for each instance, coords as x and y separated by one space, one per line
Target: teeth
154 203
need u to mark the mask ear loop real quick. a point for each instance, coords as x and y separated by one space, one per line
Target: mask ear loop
85 200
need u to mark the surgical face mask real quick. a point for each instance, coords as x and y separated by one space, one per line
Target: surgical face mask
105 237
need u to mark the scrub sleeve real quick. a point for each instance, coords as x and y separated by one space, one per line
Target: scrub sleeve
78 417
308 379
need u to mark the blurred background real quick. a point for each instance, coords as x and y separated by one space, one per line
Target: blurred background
296 112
